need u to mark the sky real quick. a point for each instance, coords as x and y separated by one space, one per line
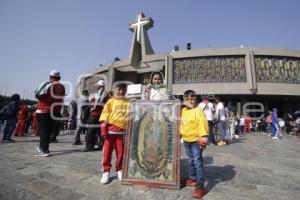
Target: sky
76 36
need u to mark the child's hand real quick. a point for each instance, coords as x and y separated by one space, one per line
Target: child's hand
203 142
105 136
104 129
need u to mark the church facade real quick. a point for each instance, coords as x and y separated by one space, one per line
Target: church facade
266 75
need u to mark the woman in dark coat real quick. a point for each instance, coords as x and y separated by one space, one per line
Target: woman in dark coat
10 117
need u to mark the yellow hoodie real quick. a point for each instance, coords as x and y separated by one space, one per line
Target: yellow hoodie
193 124
116 112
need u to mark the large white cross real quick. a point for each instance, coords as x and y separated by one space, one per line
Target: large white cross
138 24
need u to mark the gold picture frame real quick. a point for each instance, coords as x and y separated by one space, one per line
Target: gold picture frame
152 148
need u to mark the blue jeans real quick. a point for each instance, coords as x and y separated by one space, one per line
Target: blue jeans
222 129
275 130
9 127
196 170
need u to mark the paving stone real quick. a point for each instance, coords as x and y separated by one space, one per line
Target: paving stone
254 167
12 192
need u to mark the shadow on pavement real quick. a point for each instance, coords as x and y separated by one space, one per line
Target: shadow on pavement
24 141
216 174
57 153
213 174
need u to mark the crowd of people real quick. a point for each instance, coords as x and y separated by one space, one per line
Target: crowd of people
103 119
18 119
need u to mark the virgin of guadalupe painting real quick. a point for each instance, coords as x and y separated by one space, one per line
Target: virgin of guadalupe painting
152 151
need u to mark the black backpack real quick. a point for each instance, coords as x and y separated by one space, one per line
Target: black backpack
85 112
73 109
3 112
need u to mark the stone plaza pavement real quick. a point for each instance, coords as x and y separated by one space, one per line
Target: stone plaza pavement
254 167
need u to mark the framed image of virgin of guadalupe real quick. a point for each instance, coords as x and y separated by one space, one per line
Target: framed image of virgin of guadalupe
152 149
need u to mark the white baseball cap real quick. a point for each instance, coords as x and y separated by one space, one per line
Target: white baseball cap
54 73
100 82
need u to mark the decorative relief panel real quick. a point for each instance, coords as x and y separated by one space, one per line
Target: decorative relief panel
277 69
209 69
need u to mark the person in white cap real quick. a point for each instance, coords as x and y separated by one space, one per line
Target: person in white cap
98 101
50 96
54 73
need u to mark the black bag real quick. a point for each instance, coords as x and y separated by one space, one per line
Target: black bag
3 112
85 112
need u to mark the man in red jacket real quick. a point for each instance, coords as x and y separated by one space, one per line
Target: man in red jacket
50 95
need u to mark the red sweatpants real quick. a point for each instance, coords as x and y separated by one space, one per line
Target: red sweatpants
34 125
112 142
247 129
20 129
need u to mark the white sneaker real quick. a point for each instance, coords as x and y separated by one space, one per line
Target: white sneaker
41 153
119 175
275 138
104 179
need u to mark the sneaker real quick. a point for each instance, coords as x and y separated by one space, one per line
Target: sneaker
190 182
104 179
8 141
88 149
41 153
275 138
221 143
119 175
199 193
236 136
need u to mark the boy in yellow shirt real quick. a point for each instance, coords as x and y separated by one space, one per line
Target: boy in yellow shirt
194 132
113 122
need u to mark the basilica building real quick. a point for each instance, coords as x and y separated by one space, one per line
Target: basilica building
268 76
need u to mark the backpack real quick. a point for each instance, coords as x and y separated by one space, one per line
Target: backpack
73 109
3 112
85 112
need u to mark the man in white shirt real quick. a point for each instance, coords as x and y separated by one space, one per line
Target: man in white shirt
221 120
209 109
242 124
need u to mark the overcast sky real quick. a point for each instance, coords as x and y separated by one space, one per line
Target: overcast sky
74 36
